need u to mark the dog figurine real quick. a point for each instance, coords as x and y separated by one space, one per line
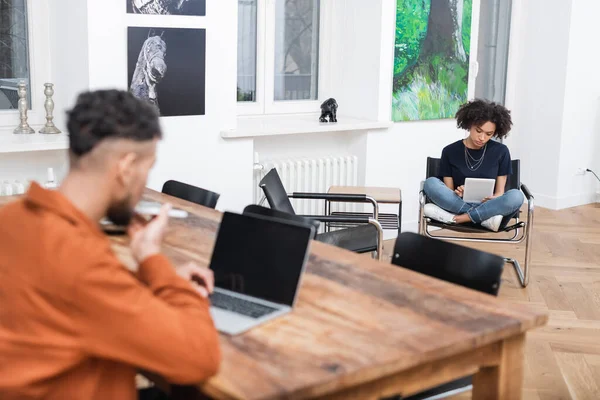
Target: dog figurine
329 110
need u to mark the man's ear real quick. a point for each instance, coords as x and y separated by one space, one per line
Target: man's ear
125 170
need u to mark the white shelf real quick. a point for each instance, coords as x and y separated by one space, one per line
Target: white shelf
271 125
11 143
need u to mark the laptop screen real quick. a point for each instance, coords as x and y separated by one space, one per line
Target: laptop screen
260 257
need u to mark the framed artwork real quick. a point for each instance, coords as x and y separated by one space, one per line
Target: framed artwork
167 7
167 68
431 58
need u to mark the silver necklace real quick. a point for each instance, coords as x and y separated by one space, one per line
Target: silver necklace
472 163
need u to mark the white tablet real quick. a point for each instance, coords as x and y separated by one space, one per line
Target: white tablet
477 189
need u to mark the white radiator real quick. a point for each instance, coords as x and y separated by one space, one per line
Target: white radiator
311 175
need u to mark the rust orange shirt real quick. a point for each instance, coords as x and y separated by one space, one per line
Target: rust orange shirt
76 324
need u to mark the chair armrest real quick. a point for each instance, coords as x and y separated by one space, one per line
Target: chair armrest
530 202
355 219
526 192
362 198
339 218
340 197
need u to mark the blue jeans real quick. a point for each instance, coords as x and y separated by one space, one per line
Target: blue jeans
506 205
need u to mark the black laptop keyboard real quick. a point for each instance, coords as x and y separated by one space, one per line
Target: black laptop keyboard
239 306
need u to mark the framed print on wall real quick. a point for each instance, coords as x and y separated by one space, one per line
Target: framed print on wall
167 7
167 68
431 58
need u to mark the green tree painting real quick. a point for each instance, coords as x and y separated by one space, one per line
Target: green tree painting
431 58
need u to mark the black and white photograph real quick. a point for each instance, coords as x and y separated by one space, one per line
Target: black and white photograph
167 7
167 68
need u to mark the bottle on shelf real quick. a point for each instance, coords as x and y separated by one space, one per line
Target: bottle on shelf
7 189
19 188
51 182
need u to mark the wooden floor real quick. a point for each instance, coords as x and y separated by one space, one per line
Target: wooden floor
563 358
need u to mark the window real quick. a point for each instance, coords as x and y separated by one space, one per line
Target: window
278 56
296 50
247 27
24 55
492 54
14 56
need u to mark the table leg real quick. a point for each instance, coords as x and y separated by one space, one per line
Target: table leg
503 381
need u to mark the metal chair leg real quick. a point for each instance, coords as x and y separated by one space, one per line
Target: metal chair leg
379 238
528 242
518 270
523 273
422 226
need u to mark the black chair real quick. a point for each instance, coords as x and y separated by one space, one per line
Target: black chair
191 193
366 237
269 212
522 230
450 262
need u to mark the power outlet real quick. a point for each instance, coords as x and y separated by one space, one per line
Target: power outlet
580 171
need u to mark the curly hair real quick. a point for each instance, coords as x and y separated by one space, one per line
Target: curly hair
478 112
109 114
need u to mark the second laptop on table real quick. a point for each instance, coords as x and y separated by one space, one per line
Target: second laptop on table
258 263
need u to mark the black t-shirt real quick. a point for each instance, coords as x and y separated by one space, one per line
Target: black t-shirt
496 162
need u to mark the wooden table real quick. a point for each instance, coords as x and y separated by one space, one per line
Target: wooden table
362 329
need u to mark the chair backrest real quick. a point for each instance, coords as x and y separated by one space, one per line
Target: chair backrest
513 181
191 193
275 192
269 212
450 262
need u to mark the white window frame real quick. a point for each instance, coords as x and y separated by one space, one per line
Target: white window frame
265 103
38 26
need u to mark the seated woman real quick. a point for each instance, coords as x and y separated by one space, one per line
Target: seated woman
477 156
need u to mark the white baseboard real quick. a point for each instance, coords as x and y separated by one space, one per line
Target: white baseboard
544 201
576 200
558 203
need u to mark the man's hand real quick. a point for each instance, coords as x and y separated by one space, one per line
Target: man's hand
146 238
202 279
460 191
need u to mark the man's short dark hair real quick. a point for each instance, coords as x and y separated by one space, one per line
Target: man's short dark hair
110 114
478 112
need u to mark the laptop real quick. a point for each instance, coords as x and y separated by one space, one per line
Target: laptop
258 263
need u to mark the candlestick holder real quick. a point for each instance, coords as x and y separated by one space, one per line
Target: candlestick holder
49 128
23 127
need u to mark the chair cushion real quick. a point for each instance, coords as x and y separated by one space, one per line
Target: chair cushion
360 239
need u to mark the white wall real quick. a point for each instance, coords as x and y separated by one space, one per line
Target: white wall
580 139
354 33
555 96
192 150
539 48
69 54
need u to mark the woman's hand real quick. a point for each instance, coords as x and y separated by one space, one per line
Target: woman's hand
490 198
460 191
